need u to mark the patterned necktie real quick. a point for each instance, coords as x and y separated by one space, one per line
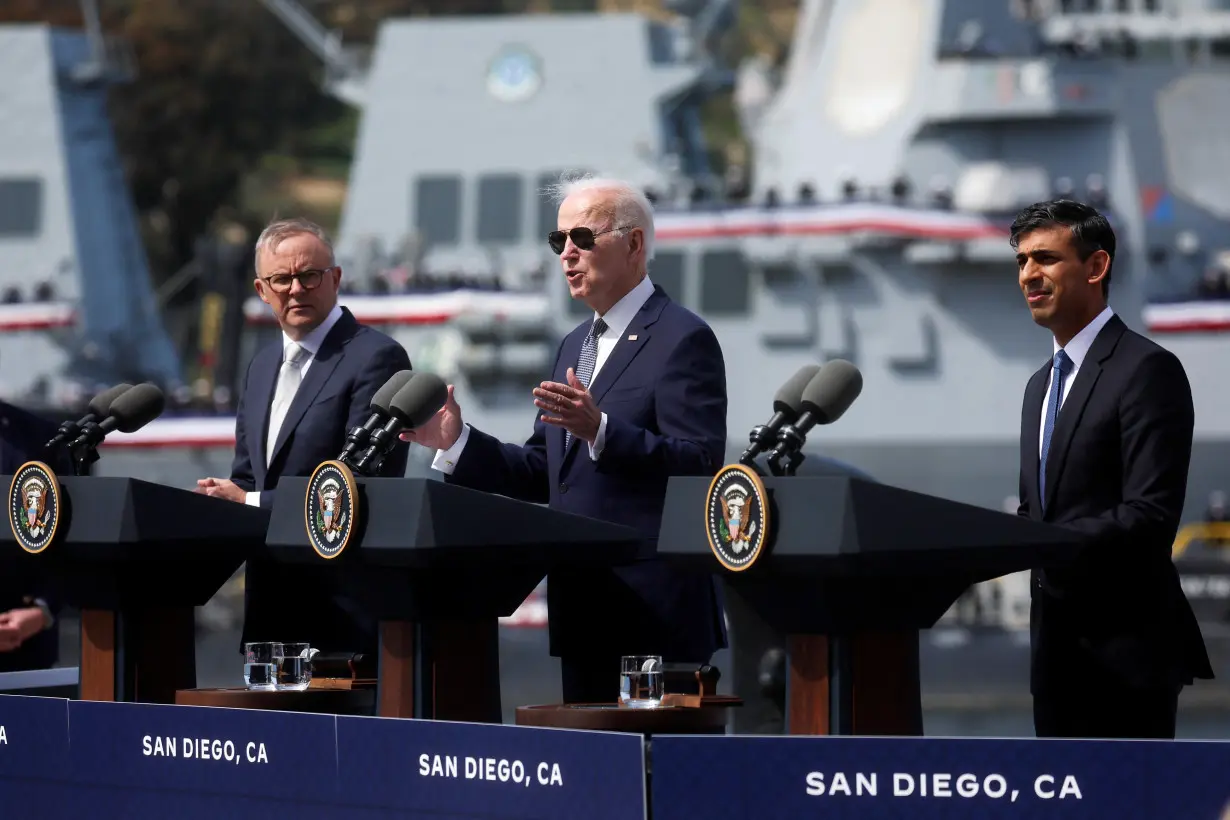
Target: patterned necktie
288 383
1062 365
586 362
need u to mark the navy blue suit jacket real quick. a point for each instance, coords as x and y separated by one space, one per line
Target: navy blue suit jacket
22 436
664 394
353 362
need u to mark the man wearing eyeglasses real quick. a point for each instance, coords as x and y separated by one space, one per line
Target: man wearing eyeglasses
637 394
301 396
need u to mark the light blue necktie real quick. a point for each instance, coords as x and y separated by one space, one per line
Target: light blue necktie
586 362
1062 365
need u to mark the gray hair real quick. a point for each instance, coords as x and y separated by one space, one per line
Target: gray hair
280 230
632 207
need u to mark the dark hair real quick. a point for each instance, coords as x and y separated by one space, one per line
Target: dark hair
1090 230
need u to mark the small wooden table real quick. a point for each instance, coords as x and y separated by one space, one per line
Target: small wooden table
610 717
319 701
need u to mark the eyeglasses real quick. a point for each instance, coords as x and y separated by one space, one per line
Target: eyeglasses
583 238
282 282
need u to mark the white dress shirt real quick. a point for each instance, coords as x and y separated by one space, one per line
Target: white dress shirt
617 320
311 345
1077 349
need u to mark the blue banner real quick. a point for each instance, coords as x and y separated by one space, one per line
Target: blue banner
438 769
138 760
75 759
775 778
33 756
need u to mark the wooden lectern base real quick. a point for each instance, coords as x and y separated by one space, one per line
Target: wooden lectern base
159 654
885 684
459 678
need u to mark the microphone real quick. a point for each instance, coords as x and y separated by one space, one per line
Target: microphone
97 410
785 410
358 437
131 411
413 406
827 397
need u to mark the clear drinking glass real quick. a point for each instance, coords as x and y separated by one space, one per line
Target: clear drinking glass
640 681
260 664
294 665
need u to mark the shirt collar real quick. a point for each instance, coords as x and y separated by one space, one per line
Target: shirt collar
312 342
624 311
1078 348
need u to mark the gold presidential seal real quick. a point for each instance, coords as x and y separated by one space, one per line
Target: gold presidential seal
737 516
34 506
330 508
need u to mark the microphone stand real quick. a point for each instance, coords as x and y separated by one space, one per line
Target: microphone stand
83 454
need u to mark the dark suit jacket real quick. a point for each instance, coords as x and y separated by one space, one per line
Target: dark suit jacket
665 399
353 362
1117 474
22 436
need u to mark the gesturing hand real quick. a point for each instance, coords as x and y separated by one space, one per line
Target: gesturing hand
442 430
569 406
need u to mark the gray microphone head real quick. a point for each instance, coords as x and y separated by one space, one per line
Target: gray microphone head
100 405
384 396
137 407
418 401
831 391
790 395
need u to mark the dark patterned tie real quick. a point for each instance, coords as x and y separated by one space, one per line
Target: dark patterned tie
1062 365
586 362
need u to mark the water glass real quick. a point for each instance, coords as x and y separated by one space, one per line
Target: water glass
294 666
260 664
640 681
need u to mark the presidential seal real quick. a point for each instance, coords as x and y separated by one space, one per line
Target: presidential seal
737 516
330 508
34 506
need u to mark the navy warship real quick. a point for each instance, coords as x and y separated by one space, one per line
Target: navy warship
866 221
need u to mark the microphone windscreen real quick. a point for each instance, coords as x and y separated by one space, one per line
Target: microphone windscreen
383 396
137 407
419 400
831 392
790 395
100 405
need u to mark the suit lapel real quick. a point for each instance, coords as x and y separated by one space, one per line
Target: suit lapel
568 357
630 343
264 380
1035 392
1074 405
323 365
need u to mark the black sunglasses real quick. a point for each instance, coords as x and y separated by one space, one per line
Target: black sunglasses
583 238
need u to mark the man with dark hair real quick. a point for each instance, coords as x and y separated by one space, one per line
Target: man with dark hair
1106 438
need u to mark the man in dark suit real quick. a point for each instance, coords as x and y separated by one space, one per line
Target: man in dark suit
1106 437
637 394
300 397
29 630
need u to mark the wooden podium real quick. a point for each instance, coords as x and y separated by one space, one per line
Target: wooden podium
438 565
850 571
136 558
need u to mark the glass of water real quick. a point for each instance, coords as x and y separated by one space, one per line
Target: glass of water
294 666
640 681
260 664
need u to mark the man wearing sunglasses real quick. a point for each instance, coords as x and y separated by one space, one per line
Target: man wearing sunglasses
637 394
301 395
